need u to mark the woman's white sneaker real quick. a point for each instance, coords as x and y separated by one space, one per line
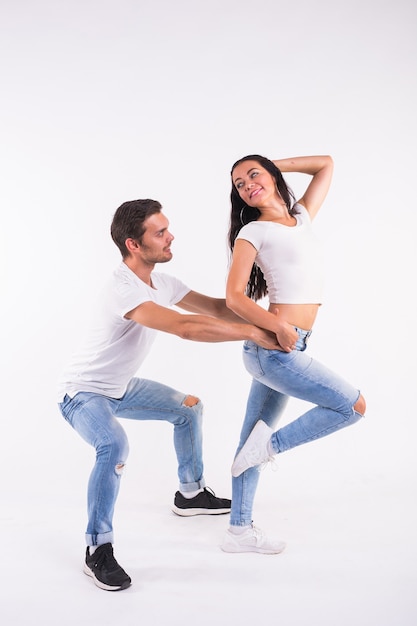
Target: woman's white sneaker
255 450
253 539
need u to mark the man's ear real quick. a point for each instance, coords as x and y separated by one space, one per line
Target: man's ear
132 245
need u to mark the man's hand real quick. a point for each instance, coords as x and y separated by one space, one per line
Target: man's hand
265 339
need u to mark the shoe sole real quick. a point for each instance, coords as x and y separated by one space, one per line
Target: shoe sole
191 512
97 582
236 549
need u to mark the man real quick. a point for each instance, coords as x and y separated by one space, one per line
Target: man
100 386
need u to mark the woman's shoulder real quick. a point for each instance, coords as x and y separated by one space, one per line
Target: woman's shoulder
254 231
301 213
256 225
299 208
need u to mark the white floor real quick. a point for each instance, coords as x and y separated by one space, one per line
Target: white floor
350 531
107 101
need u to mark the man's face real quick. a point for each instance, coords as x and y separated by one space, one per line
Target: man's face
155 246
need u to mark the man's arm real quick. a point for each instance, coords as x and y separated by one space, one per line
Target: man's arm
198 327
195 302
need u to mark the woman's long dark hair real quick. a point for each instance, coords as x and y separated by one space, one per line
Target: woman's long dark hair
242 214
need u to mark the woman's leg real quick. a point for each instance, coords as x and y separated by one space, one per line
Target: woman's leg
338 404
297 374
263 404
287 374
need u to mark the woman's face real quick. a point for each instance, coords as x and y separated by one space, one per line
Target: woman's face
254 183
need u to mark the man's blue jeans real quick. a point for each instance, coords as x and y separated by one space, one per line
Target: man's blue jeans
94 417
277 376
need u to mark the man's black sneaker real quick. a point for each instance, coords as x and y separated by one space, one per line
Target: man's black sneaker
204 503
105 570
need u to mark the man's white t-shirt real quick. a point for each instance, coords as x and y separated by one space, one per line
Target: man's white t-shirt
116 347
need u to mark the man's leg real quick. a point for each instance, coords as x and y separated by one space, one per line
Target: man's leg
92 417
150 400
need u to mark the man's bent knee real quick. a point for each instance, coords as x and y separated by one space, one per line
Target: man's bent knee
119 468
360 405
191 401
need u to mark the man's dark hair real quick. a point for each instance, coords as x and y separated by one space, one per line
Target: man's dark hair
128 222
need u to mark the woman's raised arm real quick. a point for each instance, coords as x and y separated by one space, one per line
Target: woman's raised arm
320 168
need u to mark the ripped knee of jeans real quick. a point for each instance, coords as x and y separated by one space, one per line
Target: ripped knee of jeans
119 468
360 405
191 401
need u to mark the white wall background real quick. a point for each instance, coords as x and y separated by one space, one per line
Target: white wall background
106 101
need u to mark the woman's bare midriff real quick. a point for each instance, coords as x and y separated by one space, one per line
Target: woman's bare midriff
300 315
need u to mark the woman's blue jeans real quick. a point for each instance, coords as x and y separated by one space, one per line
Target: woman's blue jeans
277 376
94 417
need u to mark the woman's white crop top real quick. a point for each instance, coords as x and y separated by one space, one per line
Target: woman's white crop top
289 257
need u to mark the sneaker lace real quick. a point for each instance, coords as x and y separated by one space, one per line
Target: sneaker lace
270 460
258 533
106 557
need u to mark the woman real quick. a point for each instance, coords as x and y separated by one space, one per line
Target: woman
274 253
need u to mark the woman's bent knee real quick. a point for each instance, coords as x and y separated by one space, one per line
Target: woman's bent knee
191 401
360 405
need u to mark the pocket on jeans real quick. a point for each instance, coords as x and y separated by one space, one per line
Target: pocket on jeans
251 360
